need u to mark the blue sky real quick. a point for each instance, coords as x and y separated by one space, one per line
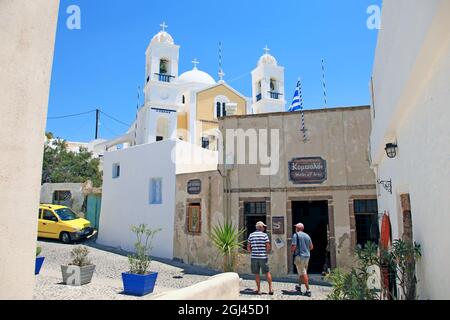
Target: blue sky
101 65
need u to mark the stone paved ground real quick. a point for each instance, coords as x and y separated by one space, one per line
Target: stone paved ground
107 282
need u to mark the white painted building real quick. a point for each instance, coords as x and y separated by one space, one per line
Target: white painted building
411 108
175 132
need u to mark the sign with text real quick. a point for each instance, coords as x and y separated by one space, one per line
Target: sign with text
312 170
278 225
194 186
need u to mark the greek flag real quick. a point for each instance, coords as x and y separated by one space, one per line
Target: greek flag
296 104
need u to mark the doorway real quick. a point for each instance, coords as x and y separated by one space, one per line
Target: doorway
314 216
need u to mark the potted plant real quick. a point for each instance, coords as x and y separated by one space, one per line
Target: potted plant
139 281
80 270
39 261
226 239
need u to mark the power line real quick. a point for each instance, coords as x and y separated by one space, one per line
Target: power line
112 118
88 112
71 115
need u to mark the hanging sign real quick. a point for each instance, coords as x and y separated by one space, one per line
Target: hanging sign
194 186
312 170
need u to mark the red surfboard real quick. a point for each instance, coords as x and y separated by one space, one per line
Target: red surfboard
385 241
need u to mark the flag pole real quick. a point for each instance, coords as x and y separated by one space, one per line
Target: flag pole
300 93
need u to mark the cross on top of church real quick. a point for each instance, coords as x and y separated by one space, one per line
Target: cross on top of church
266 49
195 62
163 26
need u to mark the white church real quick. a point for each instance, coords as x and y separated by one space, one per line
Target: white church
175 132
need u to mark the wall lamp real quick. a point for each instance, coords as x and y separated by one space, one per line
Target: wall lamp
391 150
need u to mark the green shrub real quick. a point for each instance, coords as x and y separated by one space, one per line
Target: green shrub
79 257
402 258
38 251
140 260
354 284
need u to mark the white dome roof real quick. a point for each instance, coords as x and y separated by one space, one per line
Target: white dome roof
162 37
197 76
267 59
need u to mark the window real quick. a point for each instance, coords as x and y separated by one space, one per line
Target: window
162 128
62 197
253 212
65 214
205 142
163 66
258 91
273 85
49 216
194 218
366 219
220 109
116 170
183 99
39 213
155 192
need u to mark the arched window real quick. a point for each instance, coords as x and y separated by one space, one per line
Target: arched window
162 129
258 91
163 66
273 85
220 106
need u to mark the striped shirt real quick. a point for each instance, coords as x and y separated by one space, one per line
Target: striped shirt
258 240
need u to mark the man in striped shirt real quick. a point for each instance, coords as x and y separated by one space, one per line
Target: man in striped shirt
259 247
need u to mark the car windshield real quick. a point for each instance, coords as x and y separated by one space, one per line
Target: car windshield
65 214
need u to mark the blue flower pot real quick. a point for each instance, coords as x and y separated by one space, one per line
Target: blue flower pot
138 284
38 265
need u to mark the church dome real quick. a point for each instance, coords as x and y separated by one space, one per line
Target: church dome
267 59
197 76
162 37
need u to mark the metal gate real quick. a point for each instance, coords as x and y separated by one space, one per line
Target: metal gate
94 204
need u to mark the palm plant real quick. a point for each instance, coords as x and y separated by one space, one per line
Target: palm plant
226 239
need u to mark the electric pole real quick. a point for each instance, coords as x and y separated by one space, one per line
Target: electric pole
97 120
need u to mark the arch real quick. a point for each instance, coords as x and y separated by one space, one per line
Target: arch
162 129
164 66
220 106
273 85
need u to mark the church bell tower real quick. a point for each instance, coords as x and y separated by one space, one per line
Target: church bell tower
268 85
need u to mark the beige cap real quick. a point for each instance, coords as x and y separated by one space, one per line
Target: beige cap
260 223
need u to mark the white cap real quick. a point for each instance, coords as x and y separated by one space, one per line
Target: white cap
260 224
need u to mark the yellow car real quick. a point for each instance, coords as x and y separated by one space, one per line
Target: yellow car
60 222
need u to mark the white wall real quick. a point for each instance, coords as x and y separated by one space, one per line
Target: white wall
27 33
125 200
224 286
412 93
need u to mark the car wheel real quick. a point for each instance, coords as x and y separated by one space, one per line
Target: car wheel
65 237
